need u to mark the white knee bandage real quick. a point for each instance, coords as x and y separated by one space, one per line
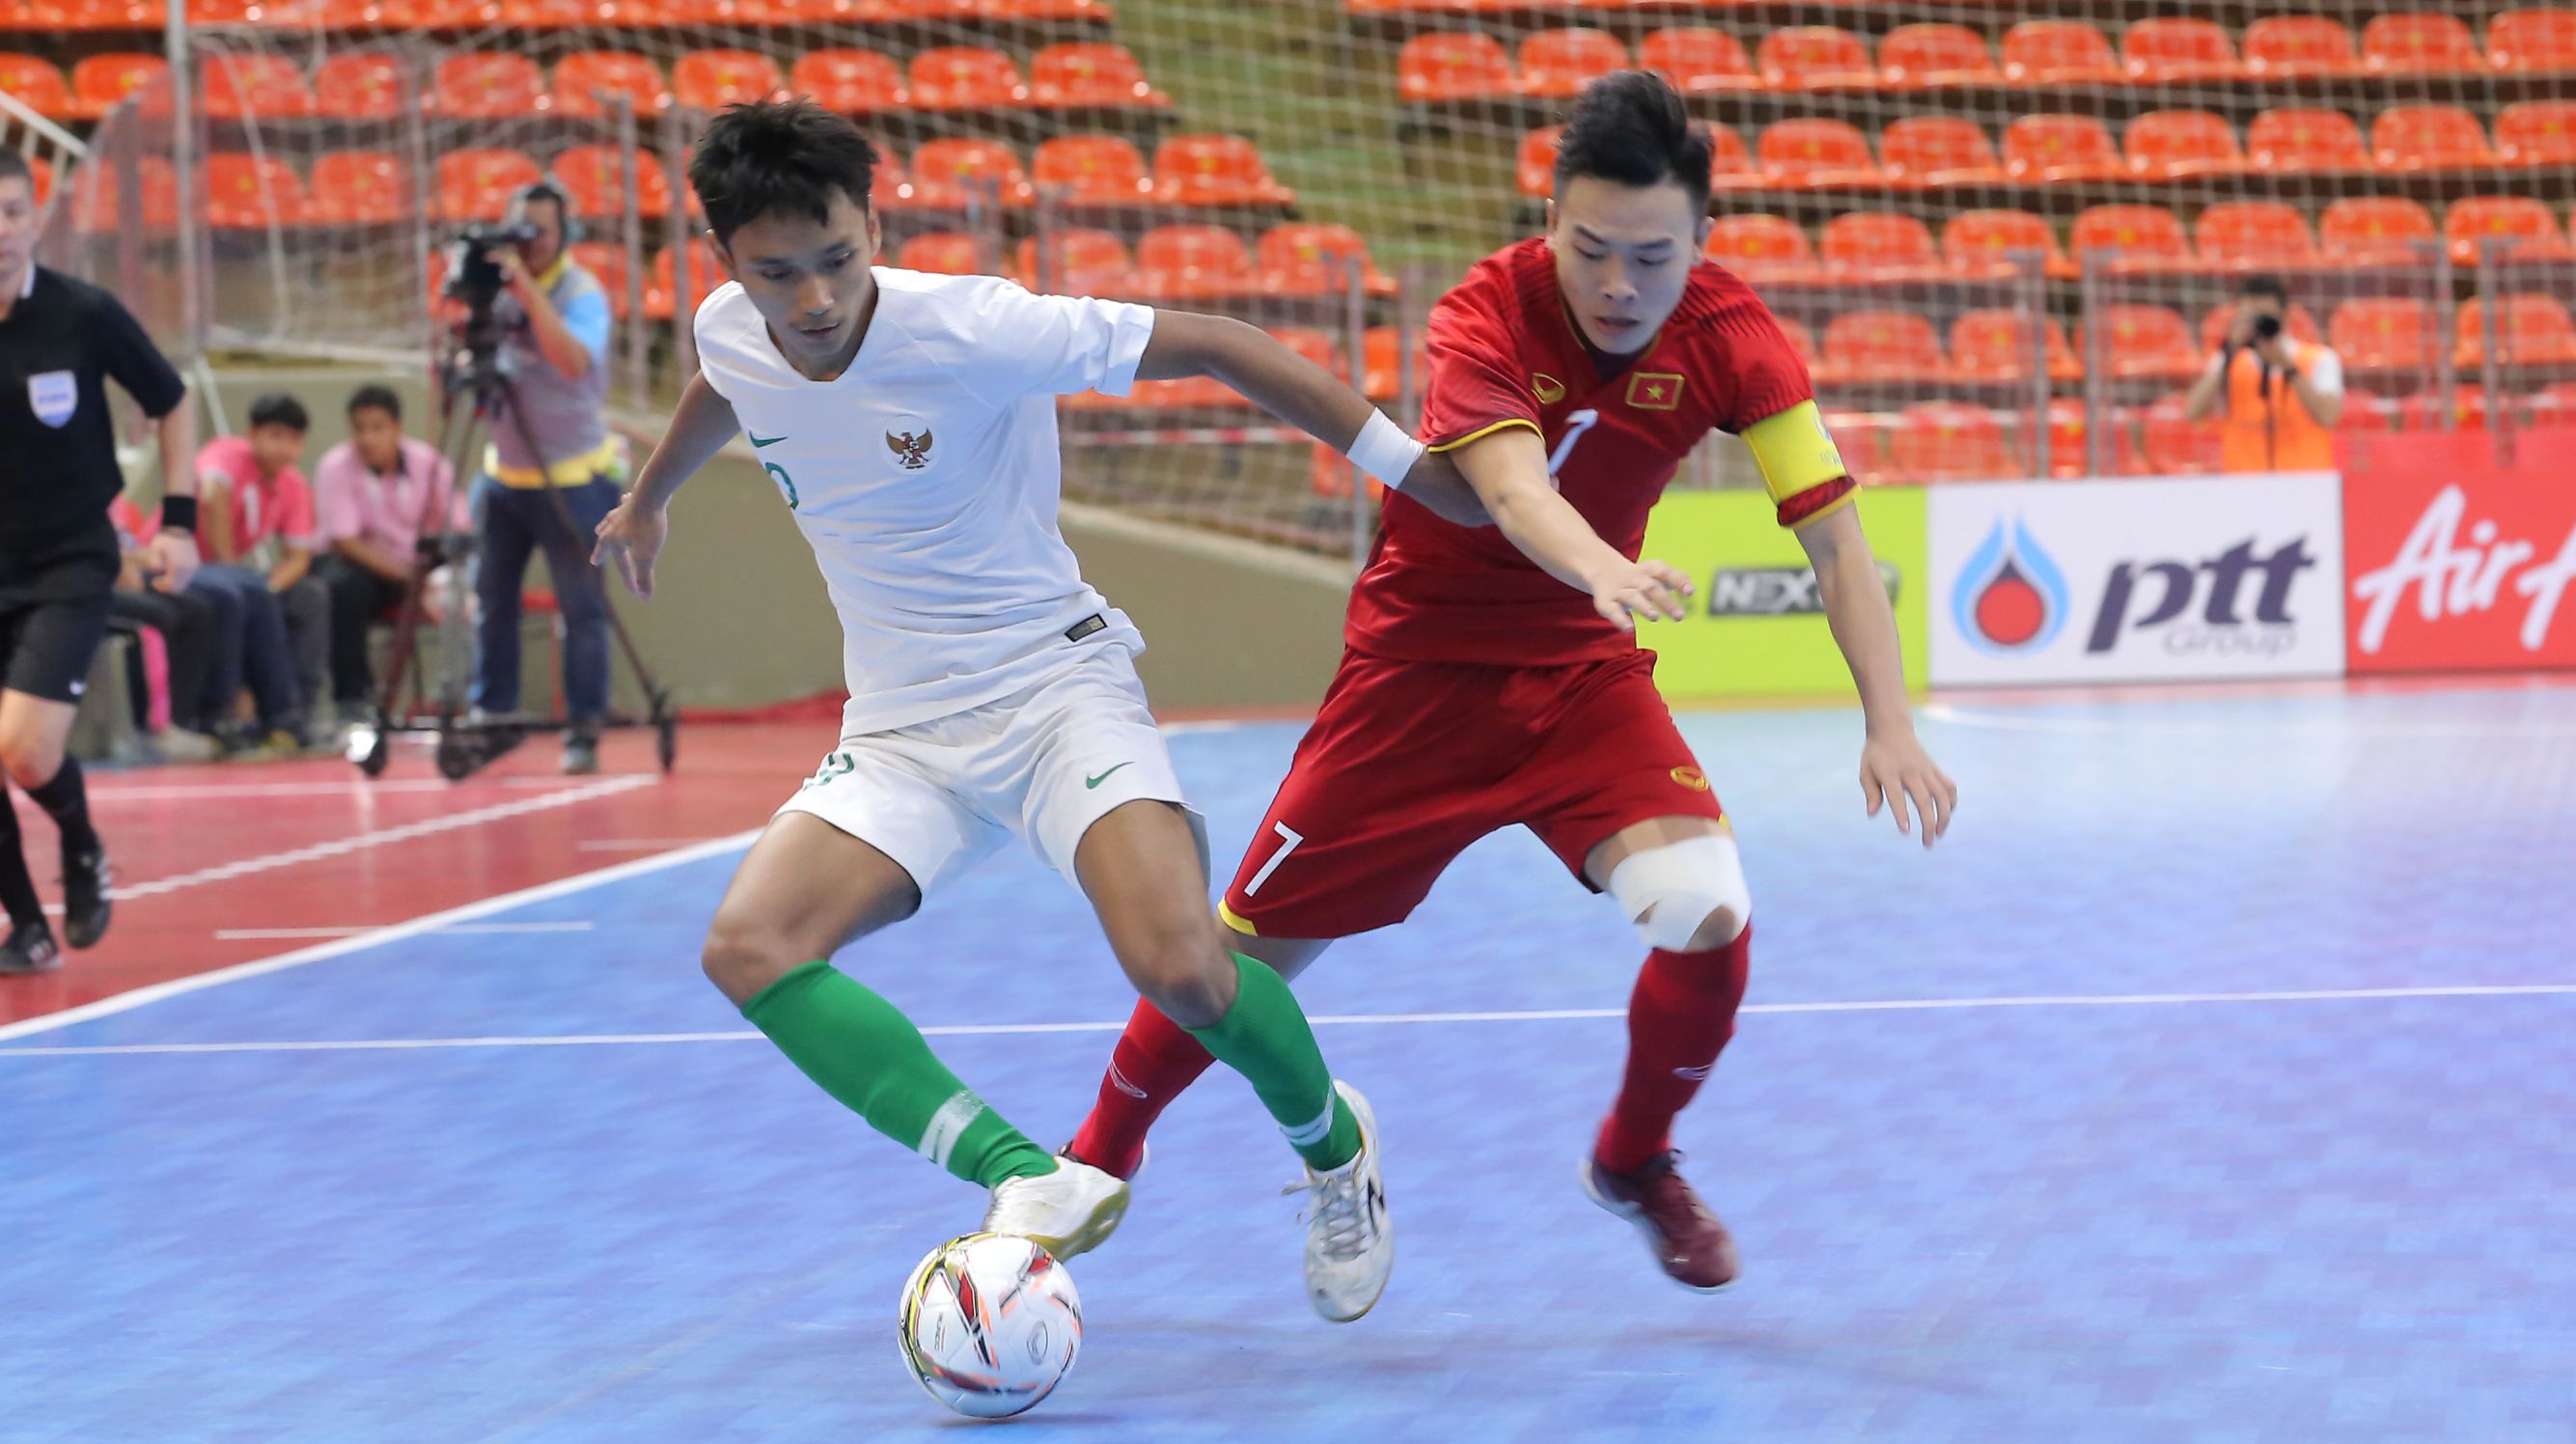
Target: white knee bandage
1669 892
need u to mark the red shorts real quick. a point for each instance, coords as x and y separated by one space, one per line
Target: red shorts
1409 762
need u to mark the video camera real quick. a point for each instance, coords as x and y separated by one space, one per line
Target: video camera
475 278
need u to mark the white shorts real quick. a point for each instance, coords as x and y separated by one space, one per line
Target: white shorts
1045 763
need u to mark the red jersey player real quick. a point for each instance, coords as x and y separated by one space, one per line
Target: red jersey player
1492 676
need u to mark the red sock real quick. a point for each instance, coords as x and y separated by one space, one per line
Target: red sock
1156 1060
1679 1017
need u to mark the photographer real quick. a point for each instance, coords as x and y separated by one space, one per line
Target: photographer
554 350
2278 397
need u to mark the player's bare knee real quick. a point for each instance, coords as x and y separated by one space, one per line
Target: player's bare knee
30 760
1685 896
742 956
1186 976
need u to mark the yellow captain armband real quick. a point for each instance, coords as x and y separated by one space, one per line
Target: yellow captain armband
1801 467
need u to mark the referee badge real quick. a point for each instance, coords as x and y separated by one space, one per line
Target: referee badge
53 396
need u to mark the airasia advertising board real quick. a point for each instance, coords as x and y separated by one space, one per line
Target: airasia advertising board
2456 564
2133 580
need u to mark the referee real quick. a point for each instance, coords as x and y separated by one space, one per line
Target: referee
59 340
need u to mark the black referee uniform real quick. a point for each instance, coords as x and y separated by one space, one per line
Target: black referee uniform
59 344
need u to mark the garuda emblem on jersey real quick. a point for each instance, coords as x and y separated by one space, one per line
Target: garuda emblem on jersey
911 449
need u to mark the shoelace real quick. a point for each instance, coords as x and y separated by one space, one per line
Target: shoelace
1347 1226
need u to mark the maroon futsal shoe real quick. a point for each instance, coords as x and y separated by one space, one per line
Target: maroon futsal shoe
1687 1239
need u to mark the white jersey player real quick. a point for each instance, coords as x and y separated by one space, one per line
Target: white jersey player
908 422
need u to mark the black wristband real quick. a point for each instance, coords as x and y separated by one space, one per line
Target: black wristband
179 513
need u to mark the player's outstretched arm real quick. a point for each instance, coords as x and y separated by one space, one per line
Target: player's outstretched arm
1281 382
1508 471
1894 768
633 533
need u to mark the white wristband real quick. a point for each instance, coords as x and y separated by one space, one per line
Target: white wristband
1385 450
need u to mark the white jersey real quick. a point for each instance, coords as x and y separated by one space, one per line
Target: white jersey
927 480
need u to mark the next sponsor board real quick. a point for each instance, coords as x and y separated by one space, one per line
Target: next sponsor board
2162 579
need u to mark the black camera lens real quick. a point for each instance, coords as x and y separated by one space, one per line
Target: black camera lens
2267 328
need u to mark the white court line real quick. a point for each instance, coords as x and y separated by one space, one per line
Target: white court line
426 923
2006 721
976 1030
635 844
242 935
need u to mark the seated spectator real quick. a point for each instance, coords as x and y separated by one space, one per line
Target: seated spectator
248 493
374 495
186 622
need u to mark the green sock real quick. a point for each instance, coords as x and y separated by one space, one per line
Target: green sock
867 1054
1265 1037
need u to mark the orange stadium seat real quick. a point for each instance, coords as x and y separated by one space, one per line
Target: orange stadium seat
942 253
891 186
359 85
2053 148
1995 345
2172 144
2362 229
1947 441
584 77
850 82
1534 167
2141 234
1914 55
662 298
263 87
2145 341
1884 346
951 173
2383 334
489 86
2305 140
252 193
100 82
1800 153
2419 44
1306 259
2524 40
96 191
476 185
2066 438
2252 233
2060 52
1698 60
2301 324
2175 444
36 84
1382 363
579 14
1878 241
1194 262
2163 51
357 188
2537 132
1759 245
1092 170
1080 262
1444 65
1215 170
596 177
2429 137
1090 73
2285 47
1089 10
714 79
1801 340
88 16
1938 150
2527 223
966 77
2536 329
1980 240
1557 63
607 261
1729 163
1814 57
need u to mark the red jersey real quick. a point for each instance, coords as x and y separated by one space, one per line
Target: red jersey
1504 352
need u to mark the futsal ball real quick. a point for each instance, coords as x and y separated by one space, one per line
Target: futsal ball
990 1324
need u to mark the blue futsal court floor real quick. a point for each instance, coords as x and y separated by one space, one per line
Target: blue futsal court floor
2213 1081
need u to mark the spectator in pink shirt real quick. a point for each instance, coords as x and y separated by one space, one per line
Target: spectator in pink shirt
249 492
375 494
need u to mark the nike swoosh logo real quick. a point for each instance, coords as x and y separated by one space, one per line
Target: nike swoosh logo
767 440
1104 777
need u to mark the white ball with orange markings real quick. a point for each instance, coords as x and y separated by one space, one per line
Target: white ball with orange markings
990 1324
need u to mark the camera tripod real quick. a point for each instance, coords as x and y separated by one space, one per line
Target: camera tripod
467 742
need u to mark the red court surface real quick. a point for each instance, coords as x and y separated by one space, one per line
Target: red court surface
224 864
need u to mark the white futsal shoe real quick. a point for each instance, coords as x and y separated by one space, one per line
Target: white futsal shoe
1350 1237
1068 1212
